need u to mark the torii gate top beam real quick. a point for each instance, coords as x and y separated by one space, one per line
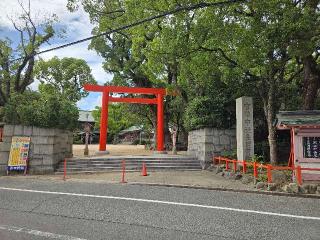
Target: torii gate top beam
119 89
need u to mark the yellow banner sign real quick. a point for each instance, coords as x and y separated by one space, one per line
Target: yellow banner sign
19 153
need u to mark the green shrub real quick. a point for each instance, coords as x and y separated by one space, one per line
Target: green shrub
206 112
41 110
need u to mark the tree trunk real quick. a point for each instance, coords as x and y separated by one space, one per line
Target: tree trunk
311 82
167 134
269 110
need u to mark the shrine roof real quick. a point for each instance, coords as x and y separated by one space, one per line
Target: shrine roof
287 119
131 129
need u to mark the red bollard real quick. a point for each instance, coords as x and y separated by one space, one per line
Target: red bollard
299 175
123 171
244 166
65 170
227 165
255 170
269 173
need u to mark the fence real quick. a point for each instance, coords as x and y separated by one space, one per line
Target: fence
296 170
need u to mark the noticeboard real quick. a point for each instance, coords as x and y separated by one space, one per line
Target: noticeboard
311 147
19 151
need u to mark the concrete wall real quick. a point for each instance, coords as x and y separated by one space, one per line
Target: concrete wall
47 147
208 142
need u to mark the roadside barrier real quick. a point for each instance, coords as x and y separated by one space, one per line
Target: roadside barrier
296 170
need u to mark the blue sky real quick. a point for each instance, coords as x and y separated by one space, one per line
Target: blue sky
76 25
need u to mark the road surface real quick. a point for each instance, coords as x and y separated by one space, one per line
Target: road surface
43 209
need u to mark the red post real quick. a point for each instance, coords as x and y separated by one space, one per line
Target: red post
123 171
227 165
104 121
299 175
65 169
244 166
269 173
255 170
160 138
219 160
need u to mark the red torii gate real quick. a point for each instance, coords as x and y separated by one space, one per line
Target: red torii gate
159 92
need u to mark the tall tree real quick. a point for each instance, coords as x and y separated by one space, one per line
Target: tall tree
245 48
305 46
66 76
17 75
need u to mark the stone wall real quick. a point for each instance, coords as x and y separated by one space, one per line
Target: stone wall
47 147
208 142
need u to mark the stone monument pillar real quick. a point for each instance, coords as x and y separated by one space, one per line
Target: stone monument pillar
244 114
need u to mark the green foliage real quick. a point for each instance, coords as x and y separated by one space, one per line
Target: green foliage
201 112
257 158
262 177
17 75
65 77
119 118
42 110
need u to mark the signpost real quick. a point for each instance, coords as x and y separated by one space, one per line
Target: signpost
19 151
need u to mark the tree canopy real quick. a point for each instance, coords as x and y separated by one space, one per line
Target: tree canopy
65 76
17 64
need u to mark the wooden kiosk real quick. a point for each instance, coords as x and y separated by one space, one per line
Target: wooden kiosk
305 140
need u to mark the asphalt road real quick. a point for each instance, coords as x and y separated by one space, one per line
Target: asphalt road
43 209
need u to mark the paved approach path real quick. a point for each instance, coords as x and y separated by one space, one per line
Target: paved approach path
51 209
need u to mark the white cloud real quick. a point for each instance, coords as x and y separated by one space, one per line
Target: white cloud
75 23
81 51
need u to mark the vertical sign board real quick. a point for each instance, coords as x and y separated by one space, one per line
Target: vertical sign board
19 153
311 147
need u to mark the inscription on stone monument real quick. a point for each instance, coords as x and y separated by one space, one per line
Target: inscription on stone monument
244 114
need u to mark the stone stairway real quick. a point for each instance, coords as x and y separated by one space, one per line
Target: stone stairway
133 163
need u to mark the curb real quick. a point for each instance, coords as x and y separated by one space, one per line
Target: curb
261 192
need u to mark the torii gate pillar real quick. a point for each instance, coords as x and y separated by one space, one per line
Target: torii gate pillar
159 92
104 121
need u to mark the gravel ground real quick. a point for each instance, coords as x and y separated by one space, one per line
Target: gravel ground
115 150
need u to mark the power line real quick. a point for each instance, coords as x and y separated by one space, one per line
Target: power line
164 14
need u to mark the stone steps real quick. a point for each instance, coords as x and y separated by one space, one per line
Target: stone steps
153 163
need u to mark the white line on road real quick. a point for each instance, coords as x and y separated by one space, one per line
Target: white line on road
38 233
165 202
